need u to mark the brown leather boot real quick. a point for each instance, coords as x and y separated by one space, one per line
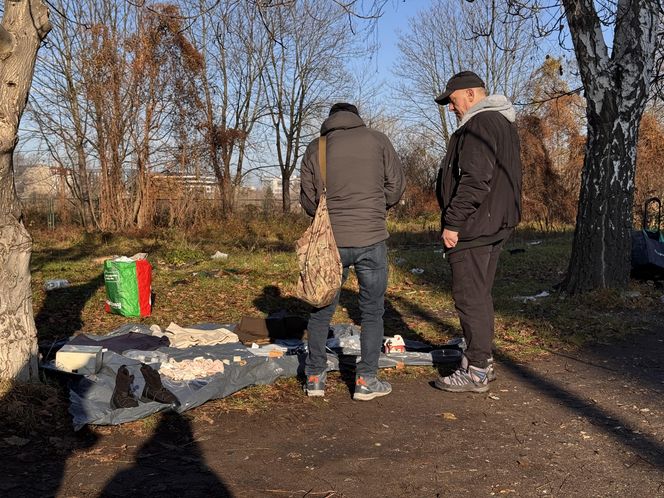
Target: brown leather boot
121 394
154 390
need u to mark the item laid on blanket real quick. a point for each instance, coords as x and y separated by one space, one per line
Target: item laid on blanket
145 356
394 344
181 337
198 368
154 390
122 397
267 330
79 359
269 350
123 342
128 284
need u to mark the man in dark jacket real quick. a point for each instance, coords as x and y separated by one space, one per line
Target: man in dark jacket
364 179
479 193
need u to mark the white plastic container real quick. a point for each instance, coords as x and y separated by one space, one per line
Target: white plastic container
82 360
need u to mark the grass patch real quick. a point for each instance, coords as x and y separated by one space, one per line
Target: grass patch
260 274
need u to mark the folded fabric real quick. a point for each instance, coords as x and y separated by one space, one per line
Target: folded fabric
123 342
197 368
181 337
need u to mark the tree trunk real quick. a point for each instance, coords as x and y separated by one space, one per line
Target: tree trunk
602 244
616 90
27 24
285 192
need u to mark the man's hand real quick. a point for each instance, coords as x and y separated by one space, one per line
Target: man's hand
450 238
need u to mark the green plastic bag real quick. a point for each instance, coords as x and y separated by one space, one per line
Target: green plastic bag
128 287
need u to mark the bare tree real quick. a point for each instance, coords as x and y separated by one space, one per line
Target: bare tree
449 37
59 108
110 93
234 46
24 26
311 44
162 57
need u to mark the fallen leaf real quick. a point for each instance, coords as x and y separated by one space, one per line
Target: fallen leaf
448 416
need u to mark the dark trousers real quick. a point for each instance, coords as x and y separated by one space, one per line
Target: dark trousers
370 265
473 272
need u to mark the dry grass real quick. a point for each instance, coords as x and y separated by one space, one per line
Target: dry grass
27 407
259 278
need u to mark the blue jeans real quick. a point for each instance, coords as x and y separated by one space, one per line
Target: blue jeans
370 265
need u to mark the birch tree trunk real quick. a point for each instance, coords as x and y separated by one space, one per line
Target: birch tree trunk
616 90
24 25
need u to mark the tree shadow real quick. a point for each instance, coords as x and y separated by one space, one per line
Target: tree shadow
61 313
37 439
272 301
613 425
170 463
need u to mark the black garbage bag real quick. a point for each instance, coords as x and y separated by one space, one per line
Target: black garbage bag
648 245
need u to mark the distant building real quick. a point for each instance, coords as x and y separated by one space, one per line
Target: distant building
275 185
170 186
40 182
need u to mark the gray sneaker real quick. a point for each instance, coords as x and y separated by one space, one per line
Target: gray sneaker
491 372
472 379
315 385
367 388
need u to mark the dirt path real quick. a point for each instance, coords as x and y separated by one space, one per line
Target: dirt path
586 426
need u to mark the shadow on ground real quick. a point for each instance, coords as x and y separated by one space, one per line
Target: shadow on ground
631 366
61 313
170 463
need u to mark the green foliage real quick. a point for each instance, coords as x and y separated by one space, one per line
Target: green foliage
182 252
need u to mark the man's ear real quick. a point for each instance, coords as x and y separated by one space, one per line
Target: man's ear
470 93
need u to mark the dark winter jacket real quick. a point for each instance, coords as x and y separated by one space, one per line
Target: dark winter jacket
364 179
479 181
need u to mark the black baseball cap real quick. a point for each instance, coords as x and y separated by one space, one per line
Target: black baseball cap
460 81
343 106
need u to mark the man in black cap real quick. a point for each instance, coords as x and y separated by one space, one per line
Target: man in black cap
479 193
364 179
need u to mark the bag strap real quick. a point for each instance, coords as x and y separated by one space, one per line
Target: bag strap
322 159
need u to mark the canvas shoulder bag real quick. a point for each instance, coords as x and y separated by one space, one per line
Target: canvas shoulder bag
317 254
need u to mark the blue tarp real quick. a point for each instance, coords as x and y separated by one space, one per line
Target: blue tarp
90 395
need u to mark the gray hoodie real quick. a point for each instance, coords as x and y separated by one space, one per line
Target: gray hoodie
491 103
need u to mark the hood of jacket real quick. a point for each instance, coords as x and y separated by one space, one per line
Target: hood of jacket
491 103
342 120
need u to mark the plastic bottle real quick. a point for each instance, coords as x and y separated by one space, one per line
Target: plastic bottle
58 283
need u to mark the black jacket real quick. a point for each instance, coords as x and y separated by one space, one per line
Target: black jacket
364 179
479 181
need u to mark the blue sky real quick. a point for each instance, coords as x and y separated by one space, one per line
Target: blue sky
395 17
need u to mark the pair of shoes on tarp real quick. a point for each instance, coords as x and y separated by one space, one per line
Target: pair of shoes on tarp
154 390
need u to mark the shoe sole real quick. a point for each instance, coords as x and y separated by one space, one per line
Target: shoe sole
467 388
316 393
369 396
